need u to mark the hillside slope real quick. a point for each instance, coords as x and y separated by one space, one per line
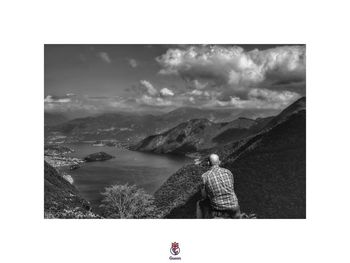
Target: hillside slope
269 170
61 199
199 134
187 137
295 107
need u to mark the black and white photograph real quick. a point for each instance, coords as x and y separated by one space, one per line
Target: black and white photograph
175 131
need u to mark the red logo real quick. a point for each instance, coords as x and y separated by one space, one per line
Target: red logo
175 249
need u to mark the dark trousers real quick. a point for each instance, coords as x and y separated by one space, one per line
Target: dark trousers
229 213
204 210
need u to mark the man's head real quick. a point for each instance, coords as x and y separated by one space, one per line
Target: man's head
214 159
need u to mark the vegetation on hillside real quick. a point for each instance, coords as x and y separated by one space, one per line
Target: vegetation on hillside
61 199
200 134
127 201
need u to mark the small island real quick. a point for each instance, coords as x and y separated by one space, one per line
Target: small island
99 156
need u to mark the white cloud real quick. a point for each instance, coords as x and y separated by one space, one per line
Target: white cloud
105 57
259 99
233 67
230 76
86 105
133 62
166 92
153 101
198 85
196 92
204 93
149 87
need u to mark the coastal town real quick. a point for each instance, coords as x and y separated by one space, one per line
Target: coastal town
56 156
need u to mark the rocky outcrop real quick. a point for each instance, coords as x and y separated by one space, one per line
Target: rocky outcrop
99 156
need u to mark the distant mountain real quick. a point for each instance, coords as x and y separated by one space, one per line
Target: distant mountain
269 170
54 118
187 113
119 126
132 127
61 199
215 115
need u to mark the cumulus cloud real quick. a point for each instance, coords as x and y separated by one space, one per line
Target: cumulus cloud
133 63
232 76
153 97
234 65
259 99
197 92
198 85
153 101
104 56
149 87
166 92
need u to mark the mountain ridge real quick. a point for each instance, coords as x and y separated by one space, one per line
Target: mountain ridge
199 134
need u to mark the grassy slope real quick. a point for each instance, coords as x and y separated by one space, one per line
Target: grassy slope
269 171
271 175
61 199
198 135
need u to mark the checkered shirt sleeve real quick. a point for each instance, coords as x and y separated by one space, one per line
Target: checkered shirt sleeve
219 185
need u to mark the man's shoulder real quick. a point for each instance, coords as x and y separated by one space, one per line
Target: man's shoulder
224 170
204 175
215 171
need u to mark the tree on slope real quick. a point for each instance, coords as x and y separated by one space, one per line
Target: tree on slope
127 201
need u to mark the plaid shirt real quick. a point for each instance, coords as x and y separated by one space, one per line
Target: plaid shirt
218 183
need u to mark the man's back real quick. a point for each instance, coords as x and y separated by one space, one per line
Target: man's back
219 186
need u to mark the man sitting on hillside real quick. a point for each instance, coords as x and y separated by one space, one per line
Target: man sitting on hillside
219 199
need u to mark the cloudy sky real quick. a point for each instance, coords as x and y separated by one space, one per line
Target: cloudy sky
90 79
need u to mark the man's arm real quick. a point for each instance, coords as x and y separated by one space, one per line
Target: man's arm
203 192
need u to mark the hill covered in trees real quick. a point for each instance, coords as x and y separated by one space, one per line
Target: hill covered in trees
199 134
269 170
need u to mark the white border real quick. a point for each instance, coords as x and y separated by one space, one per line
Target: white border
27 25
